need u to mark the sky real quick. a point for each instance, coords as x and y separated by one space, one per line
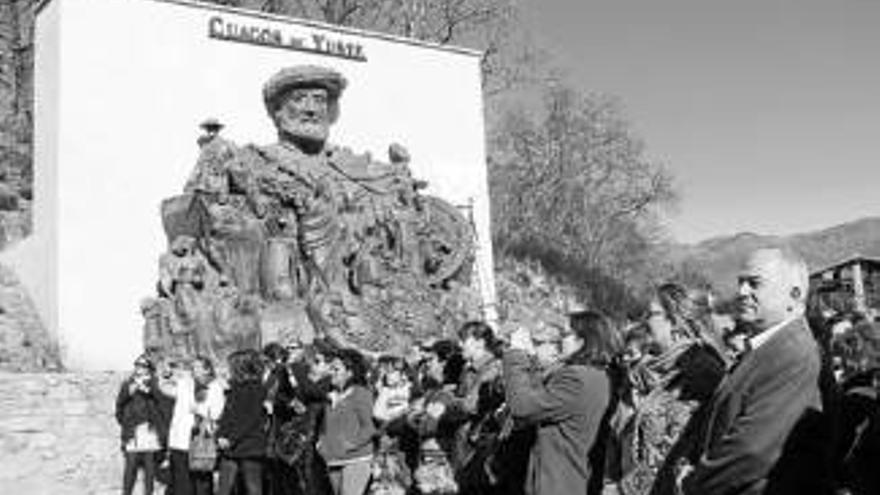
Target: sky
767 112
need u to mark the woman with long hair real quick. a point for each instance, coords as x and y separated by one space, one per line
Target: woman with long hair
434 421
667 387
279 476
480 397
309 375
480 390
198 403
566 403
240 434
138 413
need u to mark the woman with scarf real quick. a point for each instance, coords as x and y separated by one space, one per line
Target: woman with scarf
667 386
198 403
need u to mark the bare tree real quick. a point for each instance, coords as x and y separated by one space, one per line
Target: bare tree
574 178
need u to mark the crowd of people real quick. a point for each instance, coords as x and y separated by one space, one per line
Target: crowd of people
671 404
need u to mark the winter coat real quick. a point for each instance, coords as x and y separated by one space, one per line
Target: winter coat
669 390
243 421
567 408
479 398
139 407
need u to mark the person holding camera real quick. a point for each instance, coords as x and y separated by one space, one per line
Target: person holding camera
566 404
139 415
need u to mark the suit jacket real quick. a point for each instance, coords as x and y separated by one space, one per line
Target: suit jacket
760 414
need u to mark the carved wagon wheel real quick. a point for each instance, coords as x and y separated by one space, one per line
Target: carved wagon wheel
448 243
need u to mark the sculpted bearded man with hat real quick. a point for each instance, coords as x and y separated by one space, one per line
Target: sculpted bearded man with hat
329 241
315 198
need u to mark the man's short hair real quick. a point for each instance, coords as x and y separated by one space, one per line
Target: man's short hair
793 266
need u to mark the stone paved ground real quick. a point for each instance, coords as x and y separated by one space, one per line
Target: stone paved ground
58 435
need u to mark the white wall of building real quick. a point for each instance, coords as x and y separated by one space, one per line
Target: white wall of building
132 81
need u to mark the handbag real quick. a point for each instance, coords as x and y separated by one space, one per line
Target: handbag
202 450
494 463
479 465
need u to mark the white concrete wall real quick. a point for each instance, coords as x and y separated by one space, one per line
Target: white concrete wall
136 78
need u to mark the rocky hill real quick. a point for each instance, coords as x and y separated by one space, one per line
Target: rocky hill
718 259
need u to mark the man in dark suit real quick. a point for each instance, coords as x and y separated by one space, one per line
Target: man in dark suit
760 434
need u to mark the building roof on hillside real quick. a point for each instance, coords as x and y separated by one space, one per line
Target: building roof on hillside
845 261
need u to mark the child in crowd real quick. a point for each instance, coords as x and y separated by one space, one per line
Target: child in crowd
390 473
139 414
393 390
240 433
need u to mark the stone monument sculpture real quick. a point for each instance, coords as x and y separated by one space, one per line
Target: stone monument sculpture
301 238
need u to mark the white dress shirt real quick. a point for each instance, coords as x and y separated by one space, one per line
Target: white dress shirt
759 340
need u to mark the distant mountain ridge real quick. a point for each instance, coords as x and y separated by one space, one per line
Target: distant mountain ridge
719 258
